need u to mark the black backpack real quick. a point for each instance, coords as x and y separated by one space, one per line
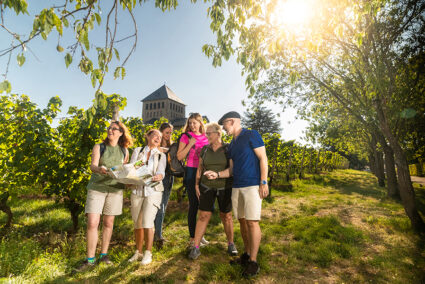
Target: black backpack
174 166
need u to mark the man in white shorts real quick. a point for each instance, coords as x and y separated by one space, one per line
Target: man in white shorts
248 163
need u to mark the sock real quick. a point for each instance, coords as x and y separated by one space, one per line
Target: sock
91 259
197 247
229 243
102 254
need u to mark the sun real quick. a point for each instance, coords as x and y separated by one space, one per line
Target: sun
293 13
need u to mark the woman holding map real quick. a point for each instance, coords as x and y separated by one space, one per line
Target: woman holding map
104 194
146 200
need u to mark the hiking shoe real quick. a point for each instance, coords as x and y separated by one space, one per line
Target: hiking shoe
251 269
147 258
242 260
203 242
159 243
105 259
135 256
85 266
231 249
194 253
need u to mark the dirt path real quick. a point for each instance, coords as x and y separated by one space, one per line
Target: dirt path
420 180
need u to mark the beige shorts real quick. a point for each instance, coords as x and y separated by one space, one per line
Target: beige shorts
106 203
246 203
143 209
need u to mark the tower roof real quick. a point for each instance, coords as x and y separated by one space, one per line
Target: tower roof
163 93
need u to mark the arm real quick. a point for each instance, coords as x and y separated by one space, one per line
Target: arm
185 148
226 173
95 157
198 177
260 152
127 154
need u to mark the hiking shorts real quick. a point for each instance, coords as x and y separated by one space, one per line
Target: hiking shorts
246 203
106 203
208 196
144 209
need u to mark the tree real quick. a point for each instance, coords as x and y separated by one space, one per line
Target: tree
352 54
262 120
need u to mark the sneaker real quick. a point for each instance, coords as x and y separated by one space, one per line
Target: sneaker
204 242
194 253
147 258
85 265
242 260
252 269
135 256
105 259
231 249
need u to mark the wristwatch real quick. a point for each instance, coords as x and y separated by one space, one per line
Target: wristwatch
264 182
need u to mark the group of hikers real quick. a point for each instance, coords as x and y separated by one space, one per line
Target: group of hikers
234 174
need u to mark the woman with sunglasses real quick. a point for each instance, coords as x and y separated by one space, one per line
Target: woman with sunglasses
213 158
145 200
190 148
104 194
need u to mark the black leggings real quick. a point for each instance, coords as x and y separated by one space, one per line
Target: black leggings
190 180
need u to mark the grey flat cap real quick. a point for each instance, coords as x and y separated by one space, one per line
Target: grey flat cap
230 114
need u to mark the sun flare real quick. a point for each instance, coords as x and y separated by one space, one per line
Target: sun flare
293 13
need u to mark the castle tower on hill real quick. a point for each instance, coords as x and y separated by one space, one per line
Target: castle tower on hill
164 103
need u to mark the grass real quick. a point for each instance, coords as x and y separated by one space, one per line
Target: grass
338 227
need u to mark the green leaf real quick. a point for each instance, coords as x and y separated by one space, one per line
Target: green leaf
116 72
68 59
98 18
122 72
408 113
5 86
59 48
21 59
117 54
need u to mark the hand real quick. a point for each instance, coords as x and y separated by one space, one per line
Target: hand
211 175
192 141
157 178
103 170
264 190
198 192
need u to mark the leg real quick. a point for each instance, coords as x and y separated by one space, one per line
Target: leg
108 226
201 226
139 236
254 233
226 219
159 219
92 234
193 201
148 238
245 235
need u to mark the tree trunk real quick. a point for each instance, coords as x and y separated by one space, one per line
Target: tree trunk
272 173
288 171
302 164
391 173
407 192
372 163
6 209
116 113
75 209
379 158
317 161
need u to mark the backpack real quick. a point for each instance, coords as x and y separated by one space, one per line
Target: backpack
174 166
103 147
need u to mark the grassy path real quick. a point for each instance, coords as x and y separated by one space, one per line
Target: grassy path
333 228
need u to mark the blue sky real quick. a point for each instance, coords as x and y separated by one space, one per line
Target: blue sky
169 50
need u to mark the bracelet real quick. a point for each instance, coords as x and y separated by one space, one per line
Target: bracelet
218 174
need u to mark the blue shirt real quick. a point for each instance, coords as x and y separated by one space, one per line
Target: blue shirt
246 165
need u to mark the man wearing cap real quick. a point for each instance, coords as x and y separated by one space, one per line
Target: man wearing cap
248 164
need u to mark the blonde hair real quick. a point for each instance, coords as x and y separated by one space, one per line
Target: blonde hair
150 132
216 127
198 117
